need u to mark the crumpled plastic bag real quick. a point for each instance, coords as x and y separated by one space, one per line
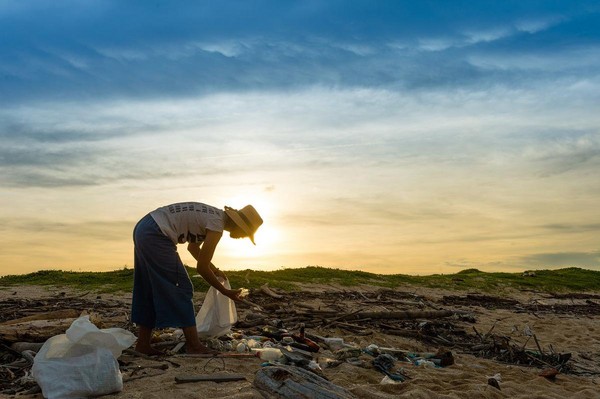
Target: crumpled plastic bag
82 362
217 314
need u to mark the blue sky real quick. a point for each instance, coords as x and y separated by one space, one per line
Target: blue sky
390 136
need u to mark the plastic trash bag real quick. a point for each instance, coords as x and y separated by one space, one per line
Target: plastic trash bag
82 362
217 314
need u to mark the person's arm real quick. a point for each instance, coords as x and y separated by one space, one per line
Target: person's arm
194 249
204 257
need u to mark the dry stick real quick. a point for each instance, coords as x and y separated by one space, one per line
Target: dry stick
269 292
538 345
444 341
477 332
181 379
409 315
362 320
341 317
523 347
539 360
488 333
358 330
252 304
363 295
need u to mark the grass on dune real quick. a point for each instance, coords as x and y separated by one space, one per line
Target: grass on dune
561 280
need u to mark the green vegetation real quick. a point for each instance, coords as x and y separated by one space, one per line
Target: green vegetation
562 280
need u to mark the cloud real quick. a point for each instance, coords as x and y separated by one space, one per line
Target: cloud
563 259
92 229
393 135
85 51
571 228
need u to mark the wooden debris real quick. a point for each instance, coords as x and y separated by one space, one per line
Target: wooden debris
24 346
220 355
405 315
267 291
295 382
57 314
35 330
185 378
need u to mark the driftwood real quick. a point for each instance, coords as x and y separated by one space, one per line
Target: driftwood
57 314
35 330
403 315
220 355
27 346
267 291
180 379
39 327
295 382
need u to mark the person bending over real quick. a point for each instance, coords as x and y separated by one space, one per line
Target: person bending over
162 289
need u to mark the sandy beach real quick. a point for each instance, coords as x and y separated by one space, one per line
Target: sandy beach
559 326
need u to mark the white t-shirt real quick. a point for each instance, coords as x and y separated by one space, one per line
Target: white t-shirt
188 221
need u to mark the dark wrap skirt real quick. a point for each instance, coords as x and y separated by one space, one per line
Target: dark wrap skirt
162 290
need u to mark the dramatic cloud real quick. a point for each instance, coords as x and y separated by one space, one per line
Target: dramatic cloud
109 49
392 136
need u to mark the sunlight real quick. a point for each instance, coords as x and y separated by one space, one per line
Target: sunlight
267 237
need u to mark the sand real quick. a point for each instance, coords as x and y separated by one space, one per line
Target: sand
467 378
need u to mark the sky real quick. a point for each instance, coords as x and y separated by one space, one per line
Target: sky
385 136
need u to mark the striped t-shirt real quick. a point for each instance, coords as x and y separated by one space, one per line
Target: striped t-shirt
188 221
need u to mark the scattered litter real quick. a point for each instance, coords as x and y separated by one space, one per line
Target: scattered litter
281 336
385 363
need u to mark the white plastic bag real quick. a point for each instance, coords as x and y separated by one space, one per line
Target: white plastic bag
82 362
217 314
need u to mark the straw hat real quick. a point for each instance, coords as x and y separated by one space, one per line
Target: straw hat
246 218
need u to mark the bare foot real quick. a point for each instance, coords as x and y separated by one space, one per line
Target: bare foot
148 350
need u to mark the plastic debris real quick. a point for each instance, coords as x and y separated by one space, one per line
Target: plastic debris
385 363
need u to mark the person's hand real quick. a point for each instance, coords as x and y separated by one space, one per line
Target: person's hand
233 294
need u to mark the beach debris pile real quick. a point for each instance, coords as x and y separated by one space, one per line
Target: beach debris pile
308 331
25 324
553 303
